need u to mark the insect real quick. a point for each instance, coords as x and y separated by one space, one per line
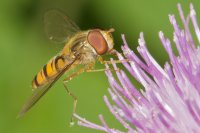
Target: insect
82 48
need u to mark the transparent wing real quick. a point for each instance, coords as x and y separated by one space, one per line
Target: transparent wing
58 26
39 92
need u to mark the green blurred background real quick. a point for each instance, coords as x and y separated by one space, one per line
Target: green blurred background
24 49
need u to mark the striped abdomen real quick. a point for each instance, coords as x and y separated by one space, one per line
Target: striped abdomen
49 71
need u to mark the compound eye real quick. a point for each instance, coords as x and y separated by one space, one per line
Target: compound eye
97 41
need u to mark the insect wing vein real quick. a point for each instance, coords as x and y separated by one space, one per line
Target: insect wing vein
59 26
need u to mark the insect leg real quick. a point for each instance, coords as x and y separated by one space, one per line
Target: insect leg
102 61
71 94
100 70
89 68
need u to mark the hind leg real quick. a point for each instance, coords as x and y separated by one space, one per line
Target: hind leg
70 93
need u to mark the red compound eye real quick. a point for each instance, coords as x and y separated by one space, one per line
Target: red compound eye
97 41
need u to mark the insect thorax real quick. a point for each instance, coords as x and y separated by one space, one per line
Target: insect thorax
79 45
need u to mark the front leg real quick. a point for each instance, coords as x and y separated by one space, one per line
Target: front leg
102 61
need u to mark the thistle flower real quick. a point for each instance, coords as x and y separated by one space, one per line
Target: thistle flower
170 101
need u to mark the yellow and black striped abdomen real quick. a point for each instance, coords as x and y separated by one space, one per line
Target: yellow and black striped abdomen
49 71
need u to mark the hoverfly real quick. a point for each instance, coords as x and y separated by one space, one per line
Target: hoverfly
81 48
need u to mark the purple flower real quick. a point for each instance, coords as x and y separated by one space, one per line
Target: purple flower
169 100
